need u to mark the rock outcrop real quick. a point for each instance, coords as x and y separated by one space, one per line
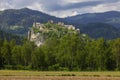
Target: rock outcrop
40 32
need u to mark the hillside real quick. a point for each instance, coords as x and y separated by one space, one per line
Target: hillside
59 47
111 17
39 33
106 25
19 21
97 30
8 36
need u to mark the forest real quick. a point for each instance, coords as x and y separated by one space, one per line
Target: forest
68 53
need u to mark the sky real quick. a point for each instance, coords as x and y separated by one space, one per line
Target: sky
63 8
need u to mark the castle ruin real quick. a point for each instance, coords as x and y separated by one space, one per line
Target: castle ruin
38 38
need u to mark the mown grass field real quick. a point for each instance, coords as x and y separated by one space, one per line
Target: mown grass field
57 75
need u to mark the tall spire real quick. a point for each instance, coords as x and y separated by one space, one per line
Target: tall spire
34 21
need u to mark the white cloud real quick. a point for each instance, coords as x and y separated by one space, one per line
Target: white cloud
63 14
75 1
4 5
63 8
107 7
36 6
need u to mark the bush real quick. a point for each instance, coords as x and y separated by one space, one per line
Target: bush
8 66
63 69
54 67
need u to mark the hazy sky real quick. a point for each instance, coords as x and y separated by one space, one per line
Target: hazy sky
63 8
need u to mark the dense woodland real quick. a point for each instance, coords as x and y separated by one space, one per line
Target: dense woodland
68 53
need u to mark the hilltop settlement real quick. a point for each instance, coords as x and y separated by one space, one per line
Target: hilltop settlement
39 33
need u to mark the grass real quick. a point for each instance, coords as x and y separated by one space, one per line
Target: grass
59 73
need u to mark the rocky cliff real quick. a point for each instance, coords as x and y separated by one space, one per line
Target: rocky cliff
39 33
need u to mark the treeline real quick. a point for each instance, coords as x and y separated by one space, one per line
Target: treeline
9 36
70 52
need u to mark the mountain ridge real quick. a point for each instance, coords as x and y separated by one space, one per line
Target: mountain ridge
110 17
22 17
19 21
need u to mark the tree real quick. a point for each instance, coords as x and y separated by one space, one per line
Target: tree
110 59
1 56
91 59
26 51
101 50
38 59
116 52
50 49
6 52
16 55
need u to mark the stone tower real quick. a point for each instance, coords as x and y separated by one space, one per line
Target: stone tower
29 35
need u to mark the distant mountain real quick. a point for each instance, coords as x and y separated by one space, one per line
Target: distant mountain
19 21
111 17
97 30
97 25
